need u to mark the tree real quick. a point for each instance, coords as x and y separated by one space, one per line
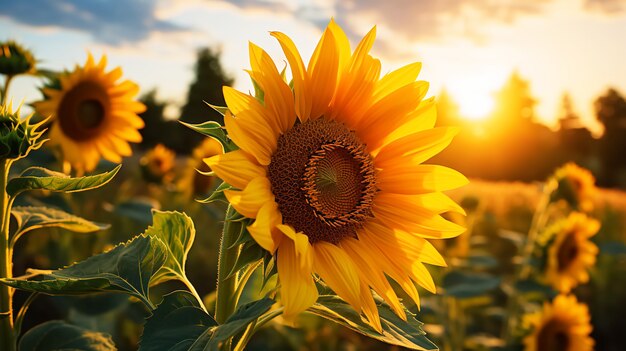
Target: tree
568 119
514 103
206 87
611 112
152 132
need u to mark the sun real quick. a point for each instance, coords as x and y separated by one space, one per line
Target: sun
474 97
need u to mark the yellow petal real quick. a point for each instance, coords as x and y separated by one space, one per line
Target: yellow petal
423 118
250 132
301 86
419 179
397 79
252 198
343 44
238 101
401 212
323 73
302 245
338 271
297 287
264 230
236 168
366 262
416 148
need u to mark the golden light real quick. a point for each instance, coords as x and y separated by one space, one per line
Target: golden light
475 97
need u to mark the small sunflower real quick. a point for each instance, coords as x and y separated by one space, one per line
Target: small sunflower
93 115
562 325
194 182
570 252
332 174
15 59
158 163
576 186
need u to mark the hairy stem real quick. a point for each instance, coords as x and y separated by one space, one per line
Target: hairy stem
225 300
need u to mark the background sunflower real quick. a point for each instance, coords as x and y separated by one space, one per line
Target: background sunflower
93 115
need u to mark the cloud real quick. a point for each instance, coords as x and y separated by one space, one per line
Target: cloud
608 7
411 19
108 21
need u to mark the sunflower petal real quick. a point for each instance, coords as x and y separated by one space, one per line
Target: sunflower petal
264 230
236 168
301 86
419 179
338 270
249 201
297 287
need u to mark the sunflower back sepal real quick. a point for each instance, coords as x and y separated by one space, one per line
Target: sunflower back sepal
395 331
213 130
15 59
18 137
251 253
56 335
39 178
217 195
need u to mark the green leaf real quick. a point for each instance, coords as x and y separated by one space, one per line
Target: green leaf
177 232
176 324
127 268
234 325
60 336
396 331
137 209
213 130
468 284
39 178
250 253
29 218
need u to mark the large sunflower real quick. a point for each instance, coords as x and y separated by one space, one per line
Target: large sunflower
570 252
331 172
93 115
562 325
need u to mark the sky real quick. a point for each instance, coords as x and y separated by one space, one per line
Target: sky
468 47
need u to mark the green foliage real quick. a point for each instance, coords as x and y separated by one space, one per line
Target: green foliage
39 178
127 268
462 285
179 324
176 323
176 230
407 333
29 218
60 336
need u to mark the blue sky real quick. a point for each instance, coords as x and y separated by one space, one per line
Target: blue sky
468 46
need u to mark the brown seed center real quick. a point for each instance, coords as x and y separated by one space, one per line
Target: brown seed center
82 111
568 251
552 337
323 180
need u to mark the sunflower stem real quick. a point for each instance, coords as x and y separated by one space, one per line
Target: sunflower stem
5 90
538 222
225 300
7 332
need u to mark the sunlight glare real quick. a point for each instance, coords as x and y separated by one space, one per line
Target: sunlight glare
475 97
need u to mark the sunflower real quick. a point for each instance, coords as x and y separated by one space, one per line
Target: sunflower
194 181
575 186
563 325
158 163
93 115
570 252
331 173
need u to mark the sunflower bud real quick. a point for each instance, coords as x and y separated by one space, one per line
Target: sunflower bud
15 59
17 137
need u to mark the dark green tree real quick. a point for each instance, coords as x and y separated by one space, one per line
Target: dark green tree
611 112
152 132
206 87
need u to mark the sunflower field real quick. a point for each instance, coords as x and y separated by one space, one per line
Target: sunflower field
317 211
